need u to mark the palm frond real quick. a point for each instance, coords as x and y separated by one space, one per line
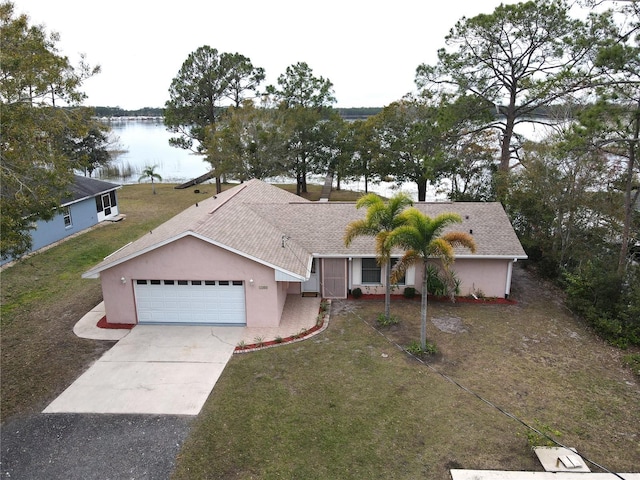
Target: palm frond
440 248
442 221
358 228
383 251
405 237
460 239
410 257
368 200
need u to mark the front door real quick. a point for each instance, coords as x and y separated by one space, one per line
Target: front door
106 204
312 284
334 278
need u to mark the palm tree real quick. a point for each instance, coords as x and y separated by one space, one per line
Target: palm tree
150 172
381 219
421 237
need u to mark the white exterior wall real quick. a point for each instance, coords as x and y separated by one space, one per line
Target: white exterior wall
355 280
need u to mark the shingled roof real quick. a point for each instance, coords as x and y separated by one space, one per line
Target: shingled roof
86 187
258 220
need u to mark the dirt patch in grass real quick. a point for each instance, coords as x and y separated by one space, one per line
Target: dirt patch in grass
350 404
449 324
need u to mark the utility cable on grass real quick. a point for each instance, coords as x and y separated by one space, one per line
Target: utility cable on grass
464 388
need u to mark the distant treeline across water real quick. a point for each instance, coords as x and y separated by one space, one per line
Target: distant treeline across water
346 113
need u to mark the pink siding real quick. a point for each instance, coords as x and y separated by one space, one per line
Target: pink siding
192 259
489 276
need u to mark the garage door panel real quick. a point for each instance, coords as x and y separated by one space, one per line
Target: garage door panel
196 302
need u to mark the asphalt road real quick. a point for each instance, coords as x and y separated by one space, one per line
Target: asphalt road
92 446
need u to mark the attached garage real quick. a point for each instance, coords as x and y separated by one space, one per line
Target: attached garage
196 302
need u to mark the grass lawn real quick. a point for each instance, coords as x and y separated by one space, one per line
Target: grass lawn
349 404
346 403
43 296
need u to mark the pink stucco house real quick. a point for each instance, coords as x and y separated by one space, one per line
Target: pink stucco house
232 259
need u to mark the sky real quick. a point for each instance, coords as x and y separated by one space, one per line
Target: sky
368 50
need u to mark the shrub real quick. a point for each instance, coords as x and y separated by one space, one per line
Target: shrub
383 321
608 302
356 292
409 292
441 283
414 348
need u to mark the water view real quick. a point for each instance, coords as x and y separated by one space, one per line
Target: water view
145 142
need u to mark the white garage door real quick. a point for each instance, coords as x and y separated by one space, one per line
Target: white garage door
190 301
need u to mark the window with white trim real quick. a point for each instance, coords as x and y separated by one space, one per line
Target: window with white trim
66 215
370 271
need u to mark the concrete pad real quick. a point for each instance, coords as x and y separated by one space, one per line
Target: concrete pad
560 459
175 343
167 370
87 326
514 475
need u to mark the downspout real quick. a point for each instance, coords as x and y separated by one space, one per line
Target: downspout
509 273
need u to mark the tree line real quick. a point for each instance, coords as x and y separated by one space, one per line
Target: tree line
572 196
351 113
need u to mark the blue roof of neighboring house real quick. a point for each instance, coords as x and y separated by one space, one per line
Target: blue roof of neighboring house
86 187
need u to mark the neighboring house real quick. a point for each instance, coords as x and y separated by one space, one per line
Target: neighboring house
90 202
233 258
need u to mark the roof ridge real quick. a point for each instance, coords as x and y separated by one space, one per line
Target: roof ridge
229 194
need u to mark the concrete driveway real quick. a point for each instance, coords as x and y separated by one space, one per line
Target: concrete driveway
154 369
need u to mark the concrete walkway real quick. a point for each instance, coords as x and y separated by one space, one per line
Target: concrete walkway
299 313
166 369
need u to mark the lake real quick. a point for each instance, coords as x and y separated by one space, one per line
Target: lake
145 142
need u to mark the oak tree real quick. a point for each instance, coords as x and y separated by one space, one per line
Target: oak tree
40 100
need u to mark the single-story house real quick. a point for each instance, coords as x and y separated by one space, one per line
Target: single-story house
233 258
90 202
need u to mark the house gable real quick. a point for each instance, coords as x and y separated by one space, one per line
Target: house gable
187 259
95 272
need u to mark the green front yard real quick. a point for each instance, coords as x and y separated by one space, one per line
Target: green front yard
346 403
